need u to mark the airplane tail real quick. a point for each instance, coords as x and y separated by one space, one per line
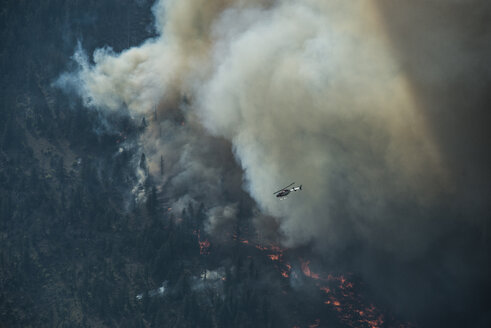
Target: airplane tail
300 187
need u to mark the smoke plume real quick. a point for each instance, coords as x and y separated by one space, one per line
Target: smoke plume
344 98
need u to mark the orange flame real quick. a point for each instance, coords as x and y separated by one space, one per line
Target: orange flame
306 270
203 247
352 310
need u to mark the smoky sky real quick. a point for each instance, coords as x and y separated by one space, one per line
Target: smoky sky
378 108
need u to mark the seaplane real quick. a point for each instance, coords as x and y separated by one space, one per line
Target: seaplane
283 192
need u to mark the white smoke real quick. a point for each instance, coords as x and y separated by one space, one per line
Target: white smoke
309 91
306 91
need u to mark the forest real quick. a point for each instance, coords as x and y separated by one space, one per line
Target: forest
73 252
90 236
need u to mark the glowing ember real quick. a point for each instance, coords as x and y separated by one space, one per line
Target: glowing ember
203 245
338 292
306 270
340 295
277 255
351 308
286 272
236 237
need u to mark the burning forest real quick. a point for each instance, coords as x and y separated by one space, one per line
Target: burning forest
339 292
240 263
142 145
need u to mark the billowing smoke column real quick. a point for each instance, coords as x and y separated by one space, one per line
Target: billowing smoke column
317 92
308 91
